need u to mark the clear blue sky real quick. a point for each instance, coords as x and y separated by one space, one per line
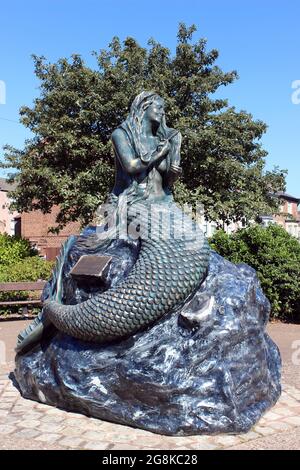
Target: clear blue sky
258 38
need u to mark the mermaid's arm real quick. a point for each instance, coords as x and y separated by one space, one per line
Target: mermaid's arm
125 153
174 169
130 163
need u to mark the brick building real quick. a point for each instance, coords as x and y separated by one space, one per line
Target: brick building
289 214
289 217
9 220
35 227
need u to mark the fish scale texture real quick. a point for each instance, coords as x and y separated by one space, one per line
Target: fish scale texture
206 367
166 272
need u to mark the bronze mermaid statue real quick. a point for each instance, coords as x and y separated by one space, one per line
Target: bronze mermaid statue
168 268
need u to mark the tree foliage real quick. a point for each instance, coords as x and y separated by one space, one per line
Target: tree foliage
69 160
275 255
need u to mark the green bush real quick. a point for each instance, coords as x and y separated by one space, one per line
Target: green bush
13 249
275 255
32 268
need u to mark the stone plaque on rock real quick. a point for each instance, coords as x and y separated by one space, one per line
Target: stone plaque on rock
91 266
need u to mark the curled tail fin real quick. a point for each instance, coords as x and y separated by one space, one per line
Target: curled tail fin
32 333
52 291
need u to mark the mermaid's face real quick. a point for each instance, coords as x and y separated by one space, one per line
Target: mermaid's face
155 111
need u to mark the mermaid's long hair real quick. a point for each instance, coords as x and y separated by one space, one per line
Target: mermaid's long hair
133 124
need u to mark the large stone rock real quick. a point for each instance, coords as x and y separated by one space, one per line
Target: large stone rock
208 367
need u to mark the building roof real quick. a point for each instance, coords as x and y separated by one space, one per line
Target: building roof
5 186
284 195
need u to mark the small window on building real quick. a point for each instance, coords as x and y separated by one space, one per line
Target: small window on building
290 208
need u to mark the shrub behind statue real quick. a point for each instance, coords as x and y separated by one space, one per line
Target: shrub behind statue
275 255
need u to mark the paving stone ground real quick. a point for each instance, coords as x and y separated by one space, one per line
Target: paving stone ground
25 424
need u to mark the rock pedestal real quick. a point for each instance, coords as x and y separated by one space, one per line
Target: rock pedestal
208 367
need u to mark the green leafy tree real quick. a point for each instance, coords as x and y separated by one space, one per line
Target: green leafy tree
69 161
275 255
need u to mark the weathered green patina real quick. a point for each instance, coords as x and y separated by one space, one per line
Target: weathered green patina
170 265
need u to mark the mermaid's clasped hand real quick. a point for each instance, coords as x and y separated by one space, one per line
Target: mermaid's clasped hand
163 147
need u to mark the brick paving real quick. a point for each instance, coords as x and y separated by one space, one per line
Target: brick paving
26 424
35 424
